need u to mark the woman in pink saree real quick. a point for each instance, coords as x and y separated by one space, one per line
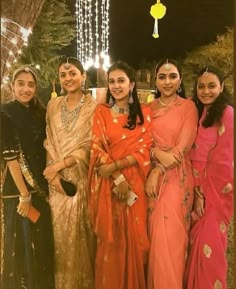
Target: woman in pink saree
170 183
119 164
212 160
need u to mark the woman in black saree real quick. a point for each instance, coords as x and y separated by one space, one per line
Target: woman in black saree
26 241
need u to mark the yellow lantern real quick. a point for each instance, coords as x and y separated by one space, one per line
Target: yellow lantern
157 11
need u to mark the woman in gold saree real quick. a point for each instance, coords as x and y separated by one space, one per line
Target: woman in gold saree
69 121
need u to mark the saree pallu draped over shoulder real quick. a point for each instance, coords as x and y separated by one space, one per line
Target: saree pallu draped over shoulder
212 159
121 230
174 129
74 239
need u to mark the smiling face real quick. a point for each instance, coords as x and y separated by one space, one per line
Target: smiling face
208 88
119 84
168 80
24 87
71 78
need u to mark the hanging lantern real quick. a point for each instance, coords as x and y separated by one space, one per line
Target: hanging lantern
157 11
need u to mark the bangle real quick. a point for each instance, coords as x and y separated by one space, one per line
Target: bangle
162 167
49 162
65 164
152 154
119 179
25 199
197 193
116 166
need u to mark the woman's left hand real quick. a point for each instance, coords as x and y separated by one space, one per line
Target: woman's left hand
50 173
23 208
106 170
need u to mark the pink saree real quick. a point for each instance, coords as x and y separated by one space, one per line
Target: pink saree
174 128
122 245
212 159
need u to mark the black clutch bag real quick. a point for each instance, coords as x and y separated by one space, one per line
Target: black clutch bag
69 188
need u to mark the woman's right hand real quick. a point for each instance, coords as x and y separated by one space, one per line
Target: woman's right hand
122 191
198 206
152 182
168 159
55 183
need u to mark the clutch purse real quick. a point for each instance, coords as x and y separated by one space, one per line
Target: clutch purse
33 214
69 188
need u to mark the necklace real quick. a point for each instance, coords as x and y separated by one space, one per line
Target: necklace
165 104
162 103
69 117
119 110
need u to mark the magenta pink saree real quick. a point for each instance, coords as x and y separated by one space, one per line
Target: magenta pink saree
212 159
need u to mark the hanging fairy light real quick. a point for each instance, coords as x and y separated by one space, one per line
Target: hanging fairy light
13 38
92 26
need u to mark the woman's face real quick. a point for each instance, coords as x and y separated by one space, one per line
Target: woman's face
24 87
71 78
168 80
119 84
208 88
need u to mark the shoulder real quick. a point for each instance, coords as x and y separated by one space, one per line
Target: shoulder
228 114
55 102
102 107
187 104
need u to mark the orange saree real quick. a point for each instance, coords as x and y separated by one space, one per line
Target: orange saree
121 230
174 129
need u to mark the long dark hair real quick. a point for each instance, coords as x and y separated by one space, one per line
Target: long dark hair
216 109
134 108
181 91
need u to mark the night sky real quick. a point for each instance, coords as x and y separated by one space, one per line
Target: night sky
187 24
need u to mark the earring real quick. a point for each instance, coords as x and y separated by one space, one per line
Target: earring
179 90
131 99
62 92
83 85
111 100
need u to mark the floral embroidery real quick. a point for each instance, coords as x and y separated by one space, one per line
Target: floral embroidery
218 285
123 136
222 227
227 188
195 173
148 118
115 120
194 146
207 251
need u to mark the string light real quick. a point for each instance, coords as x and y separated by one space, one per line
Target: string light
15 36
92 26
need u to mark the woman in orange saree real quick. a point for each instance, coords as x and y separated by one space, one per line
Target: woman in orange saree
170 184
212 160
119 164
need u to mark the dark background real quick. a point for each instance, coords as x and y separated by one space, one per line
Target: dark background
186 25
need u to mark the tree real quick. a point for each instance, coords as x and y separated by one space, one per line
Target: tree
219 54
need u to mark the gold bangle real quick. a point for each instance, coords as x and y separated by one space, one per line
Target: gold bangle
66 166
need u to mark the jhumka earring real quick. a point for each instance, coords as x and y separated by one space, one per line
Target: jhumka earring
83 85
179 90
62 92
131 99
111 100
167 65
67 65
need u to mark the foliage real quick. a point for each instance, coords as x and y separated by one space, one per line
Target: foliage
219 54
54 30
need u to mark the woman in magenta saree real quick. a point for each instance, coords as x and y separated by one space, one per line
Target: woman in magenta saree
212 160
174 126
121 230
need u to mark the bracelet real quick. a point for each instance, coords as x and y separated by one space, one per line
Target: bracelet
119 179
197 193
152 154
116 165
162 167
49 162
25 199
65 164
